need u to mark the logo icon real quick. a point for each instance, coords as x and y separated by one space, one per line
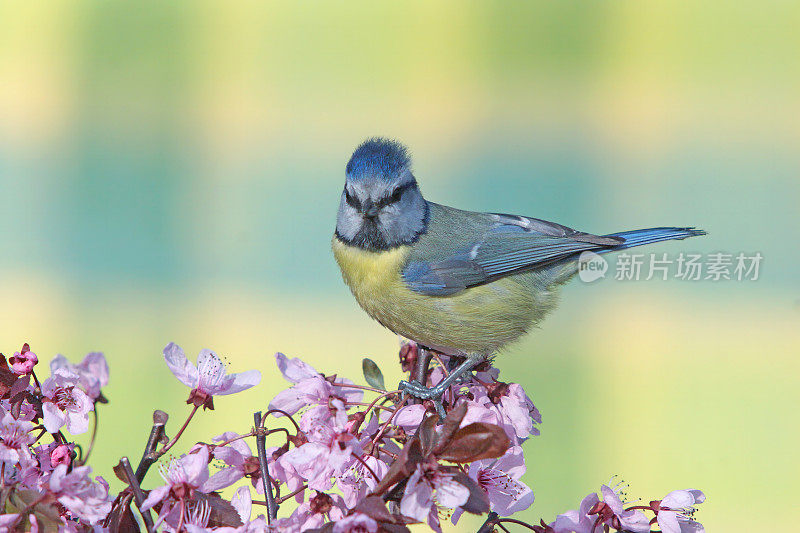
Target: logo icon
591 267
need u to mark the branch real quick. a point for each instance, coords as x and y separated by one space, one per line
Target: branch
156 435
171 443
261 445
138 495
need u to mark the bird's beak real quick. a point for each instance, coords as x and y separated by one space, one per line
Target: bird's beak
370 209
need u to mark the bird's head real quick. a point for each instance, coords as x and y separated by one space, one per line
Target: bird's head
381 205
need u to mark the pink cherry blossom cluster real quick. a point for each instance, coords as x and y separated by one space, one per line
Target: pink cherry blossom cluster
351 458
672 514
48 485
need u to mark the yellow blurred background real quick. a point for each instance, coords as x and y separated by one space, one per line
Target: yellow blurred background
170 171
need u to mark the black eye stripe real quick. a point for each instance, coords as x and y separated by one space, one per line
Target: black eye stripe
396 194
351 200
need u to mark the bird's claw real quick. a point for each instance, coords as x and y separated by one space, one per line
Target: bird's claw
420 391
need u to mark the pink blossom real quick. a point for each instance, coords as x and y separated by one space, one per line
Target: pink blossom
514 409
50 456
209 377
578 521
356 523
23 361
319 509
25 474
409 417
429 488
312 389
612 512
356 482
500 478
240 463
64 403
61 455
294 370
676 510
327 453
82 497
92 372
14 440
183 477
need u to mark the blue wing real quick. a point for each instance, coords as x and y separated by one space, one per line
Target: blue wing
464 249
501 245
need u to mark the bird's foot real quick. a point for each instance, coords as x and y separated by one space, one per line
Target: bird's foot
416 389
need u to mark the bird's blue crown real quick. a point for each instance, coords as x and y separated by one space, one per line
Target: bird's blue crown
378 157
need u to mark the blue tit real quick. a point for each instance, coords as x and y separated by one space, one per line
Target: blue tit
459 282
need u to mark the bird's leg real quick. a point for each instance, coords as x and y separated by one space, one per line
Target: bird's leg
420 374
419 390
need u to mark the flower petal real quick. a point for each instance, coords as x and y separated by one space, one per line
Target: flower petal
289 400
229 455
678 499
59 361
699 497
451 494
241 381
242 501
210 367
634 521
155 496
95 364
294 370
196 466
612 499
224 478
417 499
54 418
181 367
77 422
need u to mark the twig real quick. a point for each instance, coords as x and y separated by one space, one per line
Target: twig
293 493
390 454
85 458
261 445
138 495
362 387
156 435
372 405
386 424
171 443
441 363
514 521
363 462
226 442
284 498
284 413
36 380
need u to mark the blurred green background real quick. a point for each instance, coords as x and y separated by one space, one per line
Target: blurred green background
170 171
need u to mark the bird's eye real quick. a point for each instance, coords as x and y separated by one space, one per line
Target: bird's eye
396 195
351 200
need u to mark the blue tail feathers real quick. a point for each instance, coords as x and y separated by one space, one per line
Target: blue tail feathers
639 237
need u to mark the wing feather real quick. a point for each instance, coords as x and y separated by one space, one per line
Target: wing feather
509 244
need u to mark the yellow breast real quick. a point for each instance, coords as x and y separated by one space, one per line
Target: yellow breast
371 275
477 320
